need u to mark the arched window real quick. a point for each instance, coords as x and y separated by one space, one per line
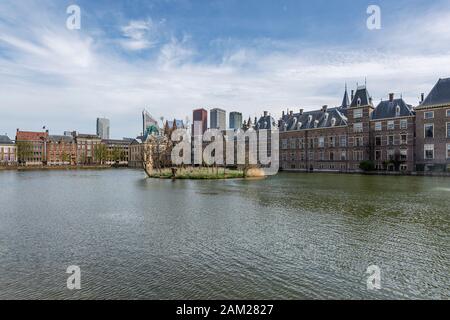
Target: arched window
397 111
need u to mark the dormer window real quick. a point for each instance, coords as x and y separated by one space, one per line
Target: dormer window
316 123
397 111
358 102
333 122
309 118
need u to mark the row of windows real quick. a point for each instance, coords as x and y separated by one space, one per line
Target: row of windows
322 156
320 142
429 130
430 114
390 125
428 151
391 141
391 155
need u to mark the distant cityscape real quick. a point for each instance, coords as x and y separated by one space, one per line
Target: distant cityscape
356 136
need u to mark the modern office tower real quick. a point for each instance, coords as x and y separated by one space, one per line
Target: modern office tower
200 115
147 121
218 119
235 120
103 128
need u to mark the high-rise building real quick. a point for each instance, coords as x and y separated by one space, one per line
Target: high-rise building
218 119
200 115
235 120
147 122
103 128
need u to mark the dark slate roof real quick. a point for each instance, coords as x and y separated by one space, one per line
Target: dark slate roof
55 138
345 101
5 140
265 122
313 119
363 95
439 95
388 109
116 141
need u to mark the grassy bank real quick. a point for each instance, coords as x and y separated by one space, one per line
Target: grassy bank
197 174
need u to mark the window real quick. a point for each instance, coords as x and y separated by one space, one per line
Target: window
448 112
293 157
448 130
311 156
378 141
390 140
378 126
293 144
391 125
404 155
357 113
331 156
284 144
429 130
397 111
429 151
428 115
403 124
343 141
448 150
332 142
344 155
321 142
403 139
378 155
321 156
358 127
391 154
359 142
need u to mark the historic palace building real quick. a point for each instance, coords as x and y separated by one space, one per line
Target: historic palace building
393 136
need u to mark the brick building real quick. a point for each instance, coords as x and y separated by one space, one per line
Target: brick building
393 135
31 147
61 150
86 144
433 129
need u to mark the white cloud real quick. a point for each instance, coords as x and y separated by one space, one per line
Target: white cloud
140 34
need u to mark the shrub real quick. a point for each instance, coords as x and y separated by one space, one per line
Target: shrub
367 166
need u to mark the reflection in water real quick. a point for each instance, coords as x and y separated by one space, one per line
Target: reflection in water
291 236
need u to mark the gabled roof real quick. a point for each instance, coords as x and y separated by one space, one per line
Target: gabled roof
439 95
388 109
361 98
5 140
313 119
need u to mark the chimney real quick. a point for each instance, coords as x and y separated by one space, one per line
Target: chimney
353 94
301 111
291 113
391 97
422 97
265 113
283 114
324 108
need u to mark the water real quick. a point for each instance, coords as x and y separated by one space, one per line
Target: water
293 236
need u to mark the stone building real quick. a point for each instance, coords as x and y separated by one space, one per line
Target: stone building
86 145
136 151
433 129
393 135
61 150
118 151
7 151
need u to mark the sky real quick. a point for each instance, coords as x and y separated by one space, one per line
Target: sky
172 56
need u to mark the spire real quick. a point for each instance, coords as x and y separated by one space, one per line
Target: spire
345 100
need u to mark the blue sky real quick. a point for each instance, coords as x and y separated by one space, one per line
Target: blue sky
171 56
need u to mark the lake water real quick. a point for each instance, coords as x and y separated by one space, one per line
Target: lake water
292 236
